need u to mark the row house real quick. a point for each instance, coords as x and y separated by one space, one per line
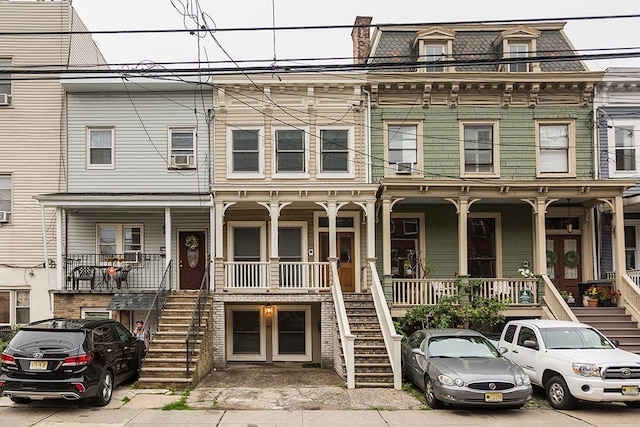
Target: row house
32 108
483 143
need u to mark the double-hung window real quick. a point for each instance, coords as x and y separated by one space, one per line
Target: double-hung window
120 239
5 198
100 148
334 151
245 152
5 83
480 149
290 151
518 51
402 152
182 146
434 53
624 154
631 240
556 148
15 307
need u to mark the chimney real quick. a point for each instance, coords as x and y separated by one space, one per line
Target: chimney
360 38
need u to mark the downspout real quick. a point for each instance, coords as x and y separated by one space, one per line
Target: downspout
367 137
596 219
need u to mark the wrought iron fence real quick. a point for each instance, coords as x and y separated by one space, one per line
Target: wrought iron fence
128 271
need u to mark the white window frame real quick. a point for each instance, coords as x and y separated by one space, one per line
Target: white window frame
111 164
307 356
634 126
430 57
245 174
304 235
571 149
349 173
523 50
498 219
435 36
193 157
231 356
9 179
636 225
495 148
8 62
120 240
13 304
247 224
98 310
305 155
417 168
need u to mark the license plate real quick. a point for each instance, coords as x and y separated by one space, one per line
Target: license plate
493 397
630 390
38 364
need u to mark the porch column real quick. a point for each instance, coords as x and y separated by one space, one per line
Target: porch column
167 236
540 237
619 262
274 258
386 237
332 212
218 207
463 214
371 230
212 246
60 278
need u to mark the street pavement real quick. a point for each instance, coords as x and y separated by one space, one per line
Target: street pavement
133 407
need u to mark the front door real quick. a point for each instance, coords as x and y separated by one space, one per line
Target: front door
346 258
565 273
192 248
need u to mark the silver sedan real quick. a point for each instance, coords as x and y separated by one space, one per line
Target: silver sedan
461 367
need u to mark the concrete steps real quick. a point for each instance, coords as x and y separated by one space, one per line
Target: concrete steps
614 323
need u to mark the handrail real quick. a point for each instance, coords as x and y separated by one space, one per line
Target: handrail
346 337
392 340
557 305
630 296
157 304
196 320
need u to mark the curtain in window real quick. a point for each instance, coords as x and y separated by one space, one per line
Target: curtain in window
5 193
554 148
625 149
100 147
403 144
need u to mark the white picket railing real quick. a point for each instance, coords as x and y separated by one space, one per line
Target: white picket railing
246 275
410 292
634 275
304 275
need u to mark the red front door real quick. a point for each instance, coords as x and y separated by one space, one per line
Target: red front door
564 275
192 248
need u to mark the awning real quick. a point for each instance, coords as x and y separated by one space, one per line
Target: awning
131 301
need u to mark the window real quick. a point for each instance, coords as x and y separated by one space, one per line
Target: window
5 83
480 149
516 51
290 146
434 52
5 198
120 239
483 246
15 307
100 148
292 337
245 151
526 334
402 143
334 151
246 333
407 260
96 313
182 147
631 245
556 149
623 153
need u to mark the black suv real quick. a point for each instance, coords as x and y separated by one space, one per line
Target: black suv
69 359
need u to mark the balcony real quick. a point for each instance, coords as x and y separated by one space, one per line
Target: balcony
98 272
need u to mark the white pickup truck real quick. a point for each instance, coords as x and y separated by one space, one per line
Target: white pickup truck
572 362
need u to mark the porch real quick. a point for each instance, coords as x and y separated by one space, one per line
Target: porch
101 272
294 276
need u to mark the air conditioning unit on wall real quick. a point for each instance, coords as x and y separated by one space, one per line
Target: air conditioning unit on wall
404 168
4 99
4 216
182 160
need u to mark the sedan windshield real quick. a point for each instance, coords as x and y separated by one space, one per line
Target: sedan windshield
573 338
458 346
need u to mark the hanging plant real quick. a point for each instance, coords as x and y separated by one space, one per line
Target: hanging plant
192 242
551 258
571 259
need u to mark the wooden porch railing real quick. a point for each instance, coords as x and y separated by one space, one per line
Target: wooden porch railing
410 292
291 275
634 276
246 275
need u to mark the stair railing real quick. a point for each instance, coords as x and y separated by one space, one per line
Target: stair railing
152 318
630 296
558 307
346 337
392 340
195 325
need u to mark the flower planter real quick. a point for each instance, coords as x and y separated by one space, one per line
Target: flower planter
592 302
605 303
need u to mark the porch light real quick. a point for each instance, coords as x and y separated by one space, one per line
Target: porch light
569 221
267 309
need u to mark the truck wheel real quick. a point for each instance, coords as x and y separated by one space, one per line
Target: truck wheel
430 395
559 395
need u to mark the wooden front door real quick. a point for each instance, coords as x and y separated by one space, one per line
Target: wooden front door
564 277
192 248
345 244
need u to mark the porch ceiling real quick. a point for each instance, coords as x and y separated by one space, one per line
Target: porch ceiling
128 200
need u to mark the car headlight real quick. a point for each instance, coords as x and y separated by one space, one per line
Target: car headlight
444 379
522 379
586 369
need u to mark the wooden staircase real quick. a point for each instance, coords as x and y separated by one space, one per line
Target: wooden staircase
372 365
613 323
165 363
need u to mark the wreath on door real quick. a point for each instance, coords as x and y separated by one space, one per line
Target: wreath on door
551 258
571 259
192 242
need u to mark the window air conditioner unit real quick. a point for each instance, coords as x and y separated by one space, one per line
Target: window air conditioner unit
4 99
4 216
404 168
182 160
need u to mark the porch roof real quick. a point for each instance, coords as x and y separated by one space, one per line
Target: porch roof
307 191
105 200
131 301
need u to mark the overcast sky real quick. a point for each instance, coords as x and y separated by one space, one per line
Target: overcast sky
161 14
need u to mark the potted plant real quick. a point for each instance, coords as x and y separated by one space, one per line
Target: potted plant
592 296
608 297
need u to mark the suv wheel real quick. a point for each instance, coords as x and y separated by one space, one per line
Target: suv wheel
559 395
105 390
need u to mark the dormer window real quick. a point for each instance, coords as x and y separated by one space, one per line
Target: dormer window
516 45
435 46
